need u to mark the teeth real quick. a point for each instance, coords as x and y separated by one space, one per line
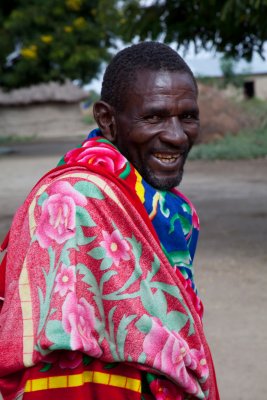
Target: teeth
166 157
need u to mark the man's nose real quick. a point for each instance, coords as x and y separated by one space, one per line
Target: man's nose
174 132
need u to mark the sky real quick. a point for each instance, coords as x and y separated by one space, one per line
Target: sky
205 63
208 63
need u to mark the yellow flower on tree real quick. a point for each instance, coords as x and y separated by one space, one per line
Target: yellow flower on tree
68 29
29 52
74 5
79 23
47 39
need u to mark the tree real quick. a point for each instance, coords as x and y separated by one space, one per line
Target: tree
236 28
59 39
227 65
49 40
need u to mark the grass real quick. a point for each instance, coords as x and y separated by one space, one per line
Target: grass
258 109
11 139
244 145
247 144
88 119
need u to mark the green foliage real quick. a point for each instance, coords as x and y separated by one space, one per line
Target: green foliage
236 28
59 39
227 65
245 145
93 96
257 108
55 39
14 139
88 120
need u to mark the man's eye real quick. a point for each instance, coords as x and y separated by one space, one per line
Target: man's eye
189 117
153 118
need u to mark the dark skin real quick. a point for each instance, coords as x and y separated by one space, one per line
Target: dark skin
157 127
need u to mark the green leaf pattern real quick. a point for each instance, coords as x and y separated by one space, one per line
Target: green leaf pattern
104 283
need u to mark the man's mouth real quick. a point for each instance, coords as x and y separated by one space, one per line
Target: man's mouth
167 158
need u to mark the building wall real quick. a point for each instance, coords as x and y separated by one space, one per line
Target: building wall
43 121
260 85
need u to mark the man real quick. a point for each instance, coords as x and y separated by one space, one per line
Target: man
100 300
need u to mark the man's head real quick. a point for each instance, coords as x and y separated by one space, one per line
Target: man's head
148 109
121 73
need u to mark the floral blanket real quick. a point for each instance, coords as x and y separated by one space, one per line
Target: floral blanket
86 272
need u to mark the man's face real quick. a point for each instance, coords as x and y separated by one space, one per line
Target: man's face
158 125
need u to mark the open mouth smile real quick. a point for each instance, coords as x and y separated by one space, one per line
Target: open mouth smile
167 158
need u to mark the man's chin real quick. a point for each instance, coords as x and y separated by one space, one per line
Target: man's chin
163 183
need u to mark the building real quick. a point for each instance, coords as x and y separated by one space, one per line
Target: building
48 111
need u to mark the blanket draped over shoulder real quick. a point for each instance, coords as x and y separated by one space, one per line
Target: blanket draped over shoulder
100 299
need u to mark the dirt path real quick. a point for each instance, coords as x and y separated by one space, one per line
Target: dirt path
231 198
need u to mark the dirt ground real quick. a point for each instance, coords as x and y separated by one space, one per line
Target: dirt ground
230 264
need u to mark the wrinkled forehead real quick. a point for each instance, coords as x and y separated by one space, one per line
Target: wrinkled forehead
147 81
164 88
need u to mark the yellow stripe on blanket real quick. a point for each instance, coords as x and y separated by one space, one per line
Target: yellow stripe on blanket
155 202
65 381
139 188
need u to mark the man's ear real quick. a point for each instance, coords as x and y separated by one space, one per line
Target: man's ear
104 115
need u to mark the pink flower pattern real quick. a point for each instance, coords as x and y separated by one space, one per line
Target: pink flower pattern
65 359
170 353
103 155
57 221
78 319
165 390
199 363
65 279
116 247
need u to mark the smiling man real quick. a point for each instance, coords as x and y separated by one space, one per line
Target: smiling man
100 299
153 117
